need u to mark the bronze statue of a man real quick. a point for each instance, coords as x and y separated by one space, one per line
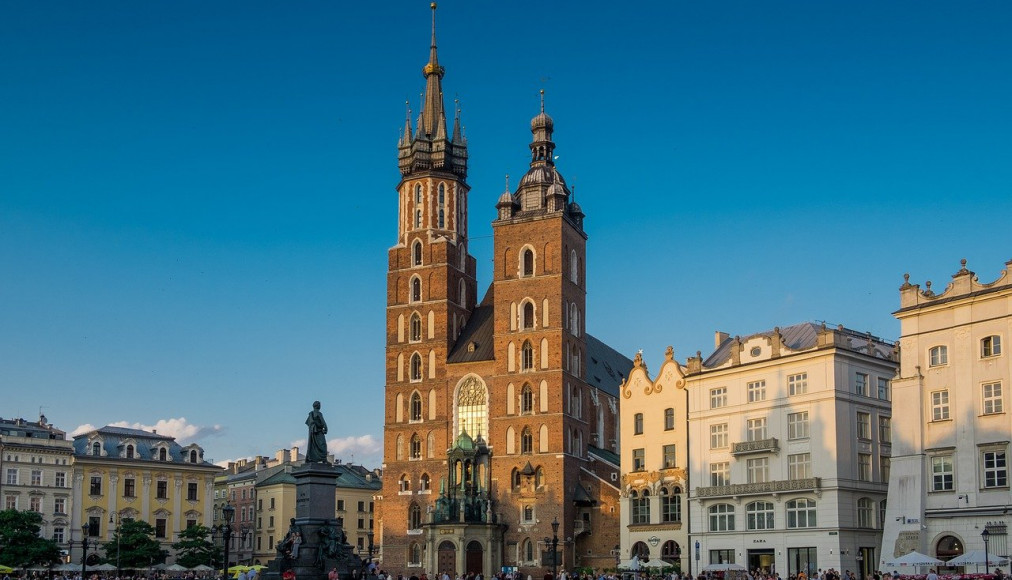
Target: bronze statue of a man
316 447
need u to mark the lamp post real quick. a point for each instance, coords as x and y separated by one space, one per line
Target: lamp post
986 536
369 535
84 550
227 513
554 543
118 573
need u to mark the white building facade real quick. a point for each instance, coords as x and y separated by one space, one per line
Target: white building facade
789 450
950 453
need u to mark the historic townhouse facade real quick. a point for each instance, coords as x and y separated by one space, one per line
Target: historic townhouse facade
790 443
501 416
654 464
122 473
950 469
36 466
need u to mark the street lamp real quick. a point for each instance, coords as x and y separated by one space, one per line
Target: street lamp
986 535
227 513
554 542
369 535
118 573
84 550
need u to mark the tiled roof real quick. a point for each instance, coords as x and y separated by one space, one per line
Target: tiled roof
606 367
478 330
113 439
802 336
604 454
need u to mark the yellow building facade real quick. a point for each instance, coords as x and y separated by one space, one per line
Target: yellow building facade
122 473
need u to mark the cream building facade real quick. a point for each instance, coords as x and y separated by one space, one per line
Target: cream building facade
654 458
950 459
122 473
789 449
36 464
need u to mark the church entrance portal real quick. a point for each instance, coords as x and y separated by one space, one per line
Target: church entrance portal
475 555
447 559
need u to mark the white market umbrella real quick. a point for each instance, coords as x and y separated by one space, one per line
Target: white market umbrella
914 559
723 567
656 563
977 557
202 568
176 568
103 568
630 564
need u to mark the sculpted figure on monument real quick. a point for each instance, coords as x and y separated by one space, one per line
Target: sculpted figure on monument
316 447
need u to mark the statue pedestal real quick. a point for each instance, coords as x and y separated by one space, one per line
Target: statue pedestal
315 485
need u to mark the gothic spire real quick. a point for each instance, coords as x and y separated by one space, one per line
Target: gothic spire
432 111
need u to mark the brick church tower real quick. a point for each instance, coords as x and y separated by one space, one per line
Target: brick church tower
501 416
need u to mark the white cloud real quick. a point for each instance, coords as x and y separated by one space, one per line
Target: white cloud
362 449
184 431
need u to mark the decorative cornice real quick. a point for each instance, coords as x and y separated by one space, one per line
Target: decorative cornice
768 487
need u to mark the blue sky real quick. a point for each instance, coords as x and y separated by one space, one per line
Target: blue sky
196 198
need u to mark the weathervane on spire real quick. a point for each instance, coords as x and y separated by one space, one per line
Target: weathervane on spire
542 100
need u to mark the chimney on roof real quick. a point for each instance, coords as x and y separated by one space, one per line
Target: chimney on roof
719 337
155 431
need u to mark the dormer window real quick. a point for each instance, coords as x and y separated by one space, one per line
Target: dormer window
129 451
193 456
163 455
96 449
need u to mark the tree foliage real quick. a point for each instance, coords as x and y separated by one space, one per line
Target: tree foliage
134 541
20 544
194 548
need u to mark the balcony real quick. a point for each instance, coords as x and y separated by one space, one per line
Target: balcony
767 487
771 445
580 527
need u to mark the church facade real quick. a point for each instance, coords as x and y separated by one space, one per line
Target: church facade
501 415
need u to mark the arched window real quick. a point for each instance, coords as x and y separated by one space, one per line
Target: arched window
415 327
527 259
671 504
574 267
526 399
404 484
193 456
801 513
400 447
526 441
416 407
414 516
515 479
430 445
462 293
472 406
527 317
96 448
528 550
416 253
574 319
162 455
641 551
948 547
129 451
865 513
416 446
418 193
416 367
527 356
442 204
416 289
671 551
423 483
759 515
415 553
721 517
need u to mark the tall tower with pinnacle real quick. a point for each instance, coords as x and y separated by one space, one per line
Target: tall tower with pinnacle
501 415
